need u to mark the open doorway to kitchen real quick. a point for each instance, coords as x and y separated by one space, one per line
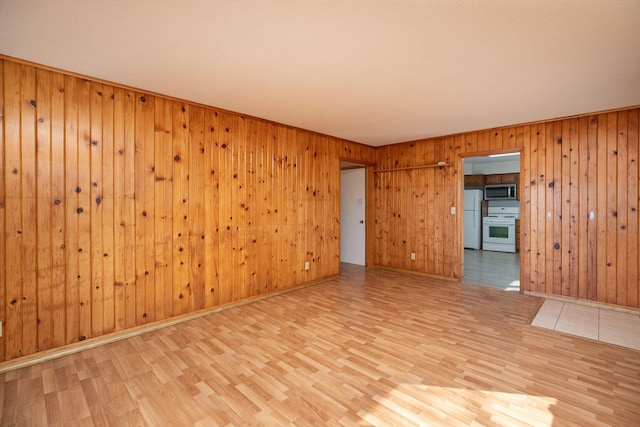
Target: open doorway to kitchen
491 229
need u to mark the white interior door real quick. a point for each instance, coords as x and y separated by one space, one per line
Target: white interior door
352 216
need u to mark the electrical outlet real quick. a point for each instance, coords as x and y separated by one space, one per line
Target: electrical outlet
453 210
413 256
306 265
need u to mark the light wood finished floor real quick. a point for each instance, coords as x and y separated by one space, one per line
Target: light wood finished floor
374 347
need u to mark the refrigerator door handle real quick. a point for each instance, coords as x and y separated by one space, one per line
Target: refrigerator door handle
475 204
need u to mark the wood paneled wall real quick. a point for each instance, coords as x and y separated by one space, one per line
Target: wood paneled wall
579 204
120 208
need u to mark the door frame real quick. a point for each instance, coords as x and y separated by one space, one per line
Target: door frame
368 208
524 219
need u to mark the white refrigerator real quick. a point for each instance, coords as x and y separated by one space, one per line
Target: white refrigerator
472 219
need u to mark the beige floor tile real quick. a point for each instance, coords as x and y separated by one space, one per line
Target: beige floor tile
548 314
578 320
620 328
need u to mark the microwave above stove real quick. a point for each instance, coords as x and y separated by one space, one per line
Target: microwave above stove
500 192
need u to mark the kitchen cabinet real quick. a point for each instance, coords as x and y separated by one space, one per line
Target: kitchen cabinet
510 178
501 178
474 180
493 179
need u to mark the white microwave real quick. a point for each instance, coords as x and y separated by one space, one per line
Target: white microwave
500 192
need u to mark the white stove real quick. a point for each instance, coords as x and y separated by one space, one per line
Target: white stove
499 228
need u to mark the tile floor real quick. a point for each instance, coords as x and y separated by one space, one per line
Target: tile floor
598 323
495 269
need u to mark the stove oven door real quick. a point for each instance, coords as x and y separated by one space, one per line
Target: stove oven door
499 236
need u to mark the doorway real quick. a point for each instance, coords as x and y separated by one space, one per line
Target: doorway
495 268
352 213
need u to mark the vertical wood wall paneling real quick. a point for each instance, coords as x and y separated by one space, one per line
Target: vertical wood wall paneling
528 184
591 171
580 182
334 150
119 223
12 255
225 205
282 193
3 203
261 211
72 303
438 215
181 163
163 201
129 116
274 195
82 208
29 210
451 251
622 209
612 208
286 167
371 237
144 222
96 210
211 185
541 133
523 139
430 247
570 168
421 182
564 193
311 228
318 236
633 278
305 191
548 243
290 203
44 203
196 207
575 207
238 196
620 189
105 202
554 244
601 211
251 208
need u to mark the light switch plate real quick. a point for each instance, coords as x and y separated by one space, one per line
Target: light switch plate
453 210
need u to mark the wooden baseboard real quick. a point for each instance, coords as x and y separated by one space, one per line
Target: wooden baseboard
589 303
54 353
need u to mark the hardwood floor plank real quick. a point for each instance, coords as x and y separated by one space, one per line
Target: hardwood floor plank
371 347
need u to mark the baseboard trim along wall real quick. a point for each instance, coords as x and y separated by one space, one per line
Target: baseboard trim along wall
90 343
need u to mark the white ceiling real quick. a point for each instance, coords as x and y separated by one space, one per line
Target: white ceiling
371 71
